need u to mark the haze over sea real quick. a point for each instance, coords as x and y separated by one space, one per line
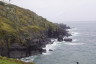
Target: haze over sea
82 49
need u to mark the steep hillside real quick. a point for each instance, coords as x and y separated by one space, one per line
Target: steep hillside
21 23
24 30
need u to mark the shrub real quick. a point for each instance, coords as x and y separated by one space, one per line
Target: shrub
2 3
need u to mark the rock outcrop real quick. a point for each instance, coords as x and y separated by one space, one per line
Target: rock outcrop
68 39
23 33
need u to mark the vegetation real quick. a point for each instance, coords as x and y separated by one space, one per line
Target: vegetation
18 24
5 60
1 3
22 29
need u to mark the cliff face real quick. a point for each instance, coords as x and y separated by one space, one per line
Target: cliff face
24 30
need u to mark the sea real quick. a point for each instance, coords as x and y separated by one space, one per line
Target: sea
82 49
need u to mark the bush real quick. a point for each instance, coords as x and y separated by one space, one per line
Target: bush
1 3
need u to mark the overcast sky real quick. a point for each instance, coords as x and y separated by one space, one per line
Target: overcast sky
61 10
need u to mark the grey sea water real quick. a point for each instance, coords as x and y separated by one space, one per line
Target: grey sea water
82 49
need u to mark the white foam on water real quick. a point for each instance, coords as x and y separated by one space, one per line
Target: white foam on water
51 46
74 44
28 59
56 43
48 47
75 33
74 40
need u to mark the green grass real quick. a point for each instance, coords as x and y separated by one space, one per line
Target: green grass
15 22
5 60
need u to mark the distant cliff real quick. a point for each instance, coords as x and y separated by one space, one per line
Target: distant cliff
22 31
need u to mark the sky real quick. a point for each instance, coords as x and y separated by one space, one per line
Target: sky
61 10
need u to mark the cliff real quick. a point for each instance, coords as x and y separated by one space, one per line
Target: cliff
22 31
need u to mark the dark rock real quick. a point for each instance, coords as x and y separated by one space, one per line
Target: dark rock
68 39
17 46
51 42
44 50
60 38
50 50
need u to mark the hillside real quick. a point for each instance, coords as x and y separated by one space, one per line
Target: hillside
23 31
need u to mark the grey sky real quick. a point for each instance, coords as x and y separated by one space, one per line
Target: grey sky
61 10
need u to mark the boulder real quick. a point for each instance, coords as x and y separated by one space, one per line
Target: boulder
60 38
50 50
68 39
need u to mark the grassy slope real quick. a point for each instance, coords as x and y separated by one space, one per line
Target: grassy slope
18 24
4 60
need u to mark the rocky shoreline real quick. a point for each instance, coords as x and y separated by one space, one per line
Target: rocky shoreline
23 33
35 47
17 51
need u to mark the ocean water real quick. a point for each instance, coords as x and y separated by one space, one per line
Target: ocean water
82 49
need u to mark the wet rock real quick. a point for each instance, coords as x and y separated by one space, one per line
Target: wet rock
60 38
50 50
44 50
68 39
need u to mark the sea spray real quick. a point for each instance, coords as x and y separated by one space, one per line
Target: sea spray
75 33
50 47
74 44
29 59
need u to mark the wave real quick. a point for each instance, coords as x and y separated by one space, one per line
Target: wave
74 44
74 40
75 33
29 59
51 46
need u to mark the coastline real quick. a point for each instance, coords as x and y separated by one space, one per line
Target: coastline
23 36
